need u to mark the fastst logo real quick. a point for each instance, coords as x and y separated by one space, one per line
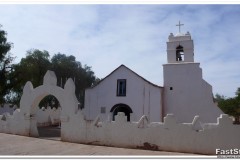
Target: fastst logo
228 151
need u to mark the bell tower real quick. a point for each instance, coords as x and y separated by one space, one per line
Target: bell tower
186 93
180 48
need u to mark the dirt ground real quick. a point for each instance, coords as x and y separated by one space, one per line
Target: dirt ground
49 144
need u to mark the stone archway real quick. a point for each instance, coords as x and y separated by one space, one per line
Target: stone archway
48 118
32 96
121 108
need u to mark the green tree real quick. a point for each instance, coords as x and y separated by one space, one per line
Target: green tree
5 65
237 93
219 98
67 67
49 100
230 106
31 68
34 66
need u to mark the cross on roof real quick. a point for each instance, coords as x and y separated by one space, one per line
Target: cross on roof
179 26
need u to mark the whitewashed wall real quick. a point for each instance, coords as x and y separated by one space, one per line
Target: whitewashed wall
190 95
6 108
193 137
24 121
141 96
48 116
168 136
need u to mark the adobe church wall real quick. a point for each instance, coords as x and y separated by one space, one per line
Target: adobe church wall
141 97
186 90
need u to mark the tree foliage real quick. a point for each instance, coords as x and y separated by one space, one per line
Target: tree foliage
34 66
31 68
67 67
230 106
5 65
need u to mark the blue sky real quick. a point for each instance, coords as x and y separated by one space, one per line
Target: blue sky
106 36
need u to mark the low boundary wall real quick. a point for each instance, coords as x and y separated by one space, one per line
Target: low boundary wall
192 137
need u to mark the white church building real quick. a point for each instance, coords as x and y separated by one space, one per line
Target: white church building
184 93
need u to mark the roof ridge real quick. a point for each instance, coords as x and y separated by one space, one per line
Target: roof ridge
122 65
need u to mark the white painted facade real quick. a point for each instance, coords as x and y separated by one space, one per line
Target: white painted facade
185 93
143 97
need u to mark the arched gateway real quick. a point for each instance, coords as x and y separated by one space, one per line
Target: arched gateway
32 96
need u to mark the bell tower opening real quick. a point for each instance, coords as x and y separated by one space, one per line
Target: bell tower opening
179 53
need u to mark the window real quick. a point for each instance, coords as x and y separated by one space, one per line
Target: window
103 109
121 87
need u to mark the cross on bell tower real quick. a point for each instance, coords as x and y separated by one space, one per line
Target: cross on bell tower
179 26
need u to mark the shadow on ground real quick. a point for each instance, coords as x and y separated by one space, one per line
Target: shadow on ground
50 132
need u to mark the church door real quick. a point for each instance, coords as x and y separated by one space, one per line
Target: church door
121 108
